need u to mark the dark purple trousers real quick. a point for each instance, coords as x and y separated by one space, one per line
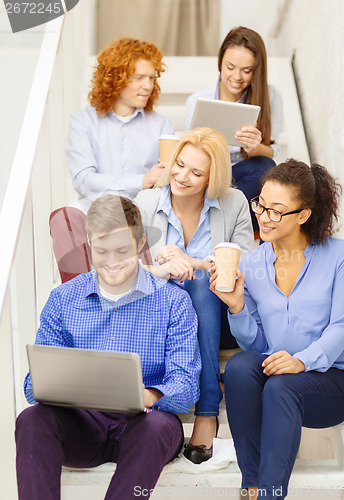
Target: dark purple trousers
48 437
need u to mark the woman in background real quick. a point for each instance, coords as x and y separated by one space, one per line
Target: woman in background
242 64
195 208
286 312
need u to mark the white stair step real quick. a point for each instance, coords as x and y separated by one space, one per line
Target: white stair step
310 478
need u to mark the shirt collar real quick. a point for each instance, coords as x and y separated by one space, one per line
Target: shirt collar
271 256
211 203
92 285
165 205
142 287
137 111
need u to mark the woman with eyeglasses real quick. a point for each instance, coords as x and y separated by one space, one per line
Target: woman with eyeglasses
286 312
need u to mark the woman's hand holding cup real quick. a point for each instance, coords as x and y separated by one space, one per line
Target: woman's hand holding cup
235 299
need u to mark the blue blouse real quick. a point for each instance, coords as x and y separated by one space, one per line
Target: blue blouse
309 324
199 246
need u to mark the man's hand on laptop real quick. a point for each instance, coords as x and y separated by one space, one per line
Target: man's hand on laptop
151 396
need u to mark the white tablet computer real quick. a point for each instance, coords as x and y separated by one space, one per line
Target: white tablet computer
226 117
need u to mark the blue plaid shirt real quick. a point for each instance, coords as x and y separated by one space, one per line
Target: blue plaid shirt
155 319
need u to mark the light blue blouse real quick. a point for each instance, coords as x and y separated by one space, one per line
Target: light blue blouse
199 246
308 324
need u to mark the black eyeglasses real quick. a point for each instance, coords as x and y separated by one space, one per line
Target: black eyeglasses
274 215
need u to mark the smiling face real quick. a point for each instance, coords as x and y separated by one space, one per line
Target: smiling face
190 173
115 259
236 72
280 197
138 89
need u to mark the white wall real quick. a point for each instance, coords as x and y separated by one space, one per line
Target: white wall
314 29
259 15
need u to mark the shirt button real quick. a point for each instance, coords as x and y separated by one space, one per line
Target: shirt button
157 408
112 338
308 368
116 308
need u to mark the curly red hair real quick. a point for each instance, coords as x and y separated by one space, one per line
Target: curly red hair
116 63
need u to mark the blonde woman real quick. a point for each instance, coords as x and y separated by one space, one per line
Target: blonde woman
194 207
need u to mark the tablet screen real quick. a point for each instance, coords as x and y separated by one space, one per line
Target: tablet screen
225 117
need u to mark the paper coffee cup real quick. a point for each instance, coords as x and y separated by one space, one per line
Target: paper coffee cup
227 256
167 144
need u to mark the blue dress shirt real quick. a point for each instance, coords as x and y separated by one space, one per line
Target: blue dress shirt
309 324
155 319
199 246
105 153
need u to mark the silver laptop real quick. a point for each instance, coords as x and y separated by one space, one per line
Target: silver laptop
225 117
81 378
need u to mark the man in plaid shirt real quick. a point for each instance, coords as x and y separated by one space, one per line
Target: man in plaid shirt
120 307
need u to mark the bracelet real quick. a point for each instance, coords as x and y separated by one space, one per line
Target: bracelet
209 258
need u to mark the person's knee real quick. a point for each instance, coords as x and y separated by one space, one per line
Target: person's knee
241 366
242 362
279 389
36 418
161 422
262 163
160 428
29 417
28 422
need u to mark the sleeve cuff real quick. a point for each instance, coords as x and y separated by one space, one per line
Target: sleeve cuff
130 187
162 403
238 315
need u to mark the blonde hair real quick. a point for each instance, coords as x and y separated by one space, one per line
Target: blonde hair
215 145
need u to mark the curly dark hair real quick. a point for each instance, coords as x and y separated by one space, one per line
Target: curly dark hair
116 63
316 189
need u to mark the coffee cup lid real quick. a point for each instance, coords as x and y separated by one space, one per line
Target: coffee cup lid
228 244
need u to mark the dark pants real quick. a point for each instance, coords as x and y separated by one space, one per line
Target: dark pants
247 176
266 414
48 437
